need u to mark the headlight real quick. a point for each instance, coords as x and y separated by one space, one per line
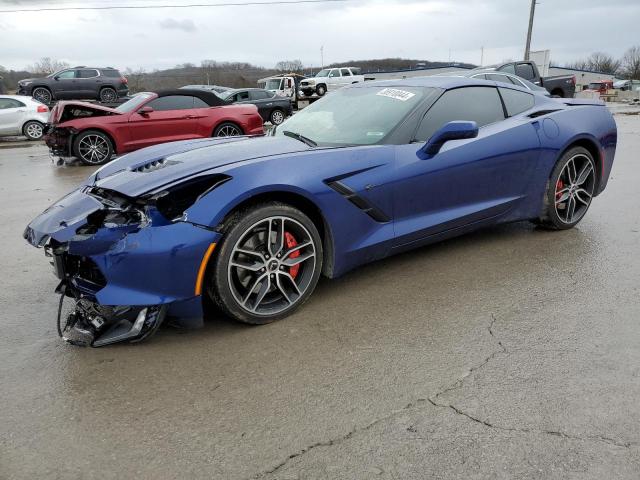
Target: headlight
24 84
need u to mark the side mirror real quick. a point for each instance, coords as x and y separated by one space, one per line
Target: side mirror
56 78
456 130
144 111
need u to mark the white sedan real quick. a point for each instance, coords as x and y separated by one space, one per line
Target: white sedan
20 115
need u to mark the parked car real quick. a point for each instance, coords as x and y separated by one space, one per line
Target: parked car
563 86
94 133
369 171
501 77
87 83
273 108
211 88
601 87
22 116
331 79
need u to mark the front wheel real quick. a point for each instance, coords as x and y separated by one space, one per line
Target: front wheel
42 94
93 148
268 264
569 190
321 90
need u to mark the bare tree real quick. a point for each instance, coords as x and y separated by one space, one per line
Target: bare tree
47 65
135 79
597 61
631 63
286 66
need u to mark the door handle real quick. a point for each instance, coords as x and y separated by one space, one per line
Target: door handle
190 117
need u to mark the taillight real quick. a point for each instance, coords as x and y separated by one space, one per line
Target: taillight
43 109
124 80
573 79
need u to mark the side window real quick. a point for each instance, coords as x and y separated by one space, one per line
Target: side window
242 96
516 101
508 69
479 104
172 102
10 103
345 72
258 95
198 103
87 73
496 77
334 73
67 74
525 70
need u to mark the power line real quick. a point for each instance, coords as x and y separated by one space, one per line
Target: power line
190 5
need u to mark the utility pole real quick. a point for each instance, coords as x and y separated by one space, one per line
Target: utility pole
322 56
527 48
481 56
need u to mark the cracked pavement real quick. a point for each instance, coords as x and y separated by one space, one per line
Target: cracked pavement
508 353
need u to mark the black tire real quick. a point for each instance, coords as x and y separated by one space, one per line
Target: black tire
101 154
42 94
108 95
224 281
227 129
277 116
321 90
33 130
568 195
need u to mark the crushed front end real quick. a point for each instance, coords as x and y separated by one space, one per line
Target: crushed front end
124 263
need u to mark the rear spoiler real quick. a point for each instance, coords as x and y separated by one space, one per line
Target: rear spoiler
576 102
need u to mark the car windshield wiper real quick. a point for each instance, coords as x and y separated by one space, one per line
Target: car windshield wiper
302 138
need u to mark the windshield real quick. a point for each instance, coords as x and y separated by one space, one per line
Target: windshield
134 103
323 73
596 86
273 84
355 116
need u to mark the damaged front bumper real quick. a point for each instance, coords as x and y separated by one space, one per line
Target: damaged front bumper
120 261
59 140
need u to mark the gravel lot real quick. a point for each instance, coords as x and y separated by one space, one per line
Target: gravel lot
509 353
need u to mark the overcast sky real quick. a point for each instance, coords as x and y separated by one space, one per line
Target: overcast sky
350 30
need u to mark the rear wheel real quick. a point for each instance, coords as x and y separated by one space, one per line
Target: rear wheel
108 95
569 190
227 129
33 130
276 117
93 147
42 95
268 264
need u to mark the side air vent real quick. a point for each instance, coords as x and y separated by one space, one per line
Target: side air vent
360 202
540 113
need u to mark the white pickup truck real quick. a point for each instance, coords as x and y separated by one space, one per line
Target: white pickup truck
330 79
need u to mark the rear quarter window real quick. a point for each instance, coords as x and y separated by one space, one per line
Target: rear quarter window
111 73
516 101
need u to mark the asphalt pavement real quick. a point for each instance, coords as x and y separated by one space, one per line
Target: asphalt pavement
509 353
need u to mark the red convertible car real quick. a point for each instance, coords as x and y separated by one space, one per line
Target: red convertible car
94 133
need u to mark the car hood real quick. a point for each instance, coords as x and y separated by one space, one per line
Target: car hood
68 110
148 170
155 167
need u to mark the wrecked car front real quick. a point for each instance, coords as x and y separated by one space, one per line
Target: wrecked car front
65 122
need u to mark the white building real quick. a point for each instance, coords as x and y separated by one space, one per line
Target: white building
583 77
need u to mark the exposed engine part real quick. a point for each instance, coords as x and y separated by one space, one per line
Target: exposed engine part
89 324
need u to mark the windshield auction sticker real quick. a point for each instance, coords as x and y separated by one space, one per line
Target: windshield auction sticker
401 95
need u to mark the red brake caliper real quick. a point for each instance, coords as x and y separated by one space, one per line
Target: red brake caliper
559 187
291 242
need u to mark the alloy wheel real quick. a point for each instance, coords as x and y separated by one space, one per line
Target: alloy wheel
107 95
574 188
277 117
272 265
94 149
42 95
229 131
34 131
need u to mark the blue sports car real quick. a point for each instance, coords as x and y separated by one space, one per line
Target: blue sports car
373 169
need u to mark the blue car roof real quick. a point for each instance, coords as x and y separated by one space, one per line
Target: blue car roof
432 81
